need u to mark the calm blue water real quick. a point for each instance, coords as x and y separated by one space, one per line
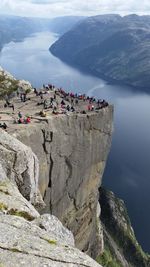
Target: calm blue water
128 168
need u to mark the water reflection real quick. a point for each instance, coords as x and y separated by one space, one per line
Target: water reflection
128 168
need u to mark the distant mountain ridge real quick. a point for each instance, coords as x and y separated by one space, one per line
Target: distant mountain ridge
15 28
110 46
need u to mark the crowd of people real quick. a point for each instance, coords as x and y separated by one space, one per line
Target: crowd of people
56 100
70 102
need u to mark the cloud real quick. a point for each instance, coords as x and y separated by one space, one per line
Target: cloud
53 8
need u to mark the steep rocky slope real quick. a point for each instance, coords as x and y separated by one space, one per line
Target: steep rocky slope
8 84
110 46
28 239
121 247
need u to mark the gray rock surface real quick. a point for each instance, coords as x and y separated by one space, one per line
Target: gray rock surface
72 152
24 244
12 202
20 165
52 225
26 238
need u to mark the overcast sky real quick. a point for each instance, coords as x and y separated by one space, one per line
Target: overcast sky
53 8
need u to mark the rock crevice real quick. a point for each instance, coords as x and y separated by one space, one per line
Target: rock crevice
72 153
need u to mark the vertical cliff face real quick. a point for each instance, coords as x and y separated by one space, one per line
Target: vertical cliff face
72 152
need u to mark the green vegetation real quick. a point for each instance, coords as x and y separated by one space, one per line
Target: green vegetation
7 86
117 224
23 214
3 207
4 191
52 242
107 259
28 91
2 78
15 250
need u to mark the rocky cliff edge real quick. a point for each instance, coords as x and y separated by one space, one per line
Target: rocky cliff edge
28 238
72 151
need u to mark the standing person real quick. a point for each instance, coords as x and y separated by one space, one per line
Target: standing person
13 107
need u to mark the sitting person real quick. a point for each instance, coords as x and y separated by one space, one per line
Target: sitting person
72 109
62 103
28 120
3 126
20 120
20 114
68 108
42 113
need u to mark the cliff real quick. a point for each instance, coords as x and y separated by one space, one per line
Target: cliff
72 152
28 239
121 247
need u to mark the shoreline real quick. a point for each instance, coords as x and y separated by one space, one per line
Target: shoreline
102 76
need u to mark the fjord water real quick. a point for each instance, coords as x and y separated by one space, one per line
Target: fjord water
128 167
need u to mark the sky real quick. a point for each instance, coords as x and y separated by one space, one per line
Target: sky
54 8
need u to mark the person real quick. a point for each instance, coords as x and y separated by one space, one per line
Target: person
72 109
42 113
89 107
3 126
83 112
28 120
92 108
20 114
68 108
24 97
13 107
20 120
35 91
62 103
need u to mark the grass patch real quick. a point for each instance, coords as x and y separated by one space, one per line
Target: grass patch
4 191
3 207
118 225
52 242
15 250
22 214
108 260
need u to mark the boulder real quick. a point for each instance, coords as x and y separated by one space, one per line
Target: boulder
20 165
23 243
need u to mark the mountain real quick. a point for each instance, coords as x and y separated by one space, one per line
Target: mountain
110 46
61 25
13 28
